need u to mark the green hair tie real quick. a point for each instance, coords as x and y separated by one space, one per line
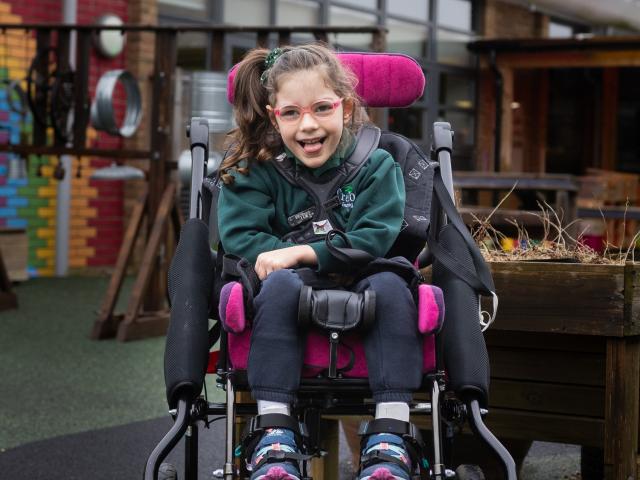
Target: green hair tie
269 62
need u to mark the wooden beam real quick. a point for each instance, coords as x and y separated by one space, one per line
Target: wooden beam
106 324
570 59
541 115
161 148
609 118
507 120
8 299
131 327
621 413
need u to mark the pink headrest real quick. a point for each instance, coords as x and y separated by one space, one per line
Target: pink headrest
384 79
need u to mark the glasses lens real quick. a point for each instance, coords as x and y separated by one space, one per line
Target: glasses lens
290 114
323 108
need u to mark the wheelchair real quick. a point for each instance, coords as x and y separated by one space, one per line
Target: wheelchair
455 368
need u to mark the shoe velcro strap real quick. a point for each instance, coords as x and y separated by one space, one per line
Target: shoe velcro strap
279 420
279 456
274 420
408 431
257 425
378 456
385 425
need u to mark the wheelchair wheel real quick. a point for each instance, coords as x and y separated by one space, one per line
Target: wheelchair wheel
167 472
469 472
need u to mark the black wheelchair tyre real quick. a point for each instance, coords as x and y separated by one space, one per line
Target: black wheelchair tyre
469 472
167 472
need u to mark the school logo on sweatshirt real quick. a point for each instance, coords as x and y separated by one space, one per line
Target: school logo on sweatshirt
347 196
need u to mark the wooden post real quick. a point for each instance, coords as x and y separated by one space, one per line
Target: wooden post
609 118
8 299
621 408
137 324
161 121
106 324
217 50
41 71
507 119
81 89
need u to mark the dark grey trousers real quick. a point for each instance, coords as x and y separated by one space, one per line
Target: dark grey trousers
393 345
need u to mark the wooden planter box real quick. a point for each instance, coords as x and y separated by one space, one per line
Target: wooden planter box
565 357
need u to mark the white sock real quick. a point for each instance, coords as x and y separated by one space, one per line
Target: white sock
266 406
396 410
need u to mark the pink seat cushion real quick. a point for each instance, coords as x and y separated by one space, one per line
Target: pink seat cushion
316 359
384 79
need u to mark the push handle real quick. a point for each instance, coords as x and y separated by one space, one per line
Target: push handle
198 133
443 147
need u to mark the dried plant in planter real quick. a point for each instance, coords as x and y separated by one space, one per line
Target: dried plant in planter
556 245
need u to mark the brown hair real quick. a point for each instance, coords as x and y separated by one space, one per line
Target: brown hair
255 138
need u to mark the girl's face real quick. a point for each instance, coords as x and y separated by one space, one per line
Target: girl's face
309 116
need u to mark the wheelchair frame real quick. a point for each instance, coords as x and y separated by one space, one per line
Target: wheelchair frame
311 405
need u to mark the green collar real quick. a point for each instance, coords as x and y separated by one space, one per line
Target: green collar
345 148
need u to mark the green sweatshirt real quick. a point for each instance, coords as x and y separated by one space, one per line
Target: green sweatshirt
253 212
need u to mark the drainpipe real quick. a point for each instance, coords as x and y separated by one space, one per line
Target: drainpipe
497 132
69 15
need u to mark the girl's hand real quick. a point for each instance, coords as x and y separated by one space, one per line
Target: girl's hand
268 262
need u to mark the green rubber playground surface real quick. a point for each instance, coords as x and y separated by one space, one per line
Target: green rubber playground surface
55 381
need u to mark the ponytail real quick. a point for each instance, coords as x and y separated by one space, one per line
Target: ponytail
255 137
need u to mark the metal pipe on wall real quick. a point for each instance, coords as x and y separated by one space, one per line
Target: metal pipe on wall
69 15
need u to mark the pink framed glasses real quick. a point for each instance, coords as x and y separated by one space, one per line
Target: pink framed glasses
319 109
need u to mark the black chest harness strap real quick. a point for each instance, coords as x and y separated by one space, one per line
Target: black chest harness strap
323 189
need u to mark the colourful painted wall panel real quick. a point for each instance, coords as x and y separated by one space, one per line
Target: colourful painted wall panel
28 197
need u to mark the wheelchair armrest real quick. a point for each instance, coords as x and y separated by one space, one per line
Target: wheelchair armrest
190 285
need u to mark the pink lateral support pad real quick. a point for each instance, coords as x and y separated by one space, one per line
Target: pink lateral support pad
231 308
430 309
384 79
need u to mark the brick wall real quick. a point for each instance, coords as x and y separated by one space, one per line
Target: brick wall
506 20
97 223
27 188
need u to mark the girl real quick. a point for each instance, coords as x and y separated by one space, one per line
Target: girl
299 101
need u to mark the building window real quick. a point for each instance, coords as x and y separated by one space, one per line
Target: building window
340 16
246 12
298 12
359 4
408 121
560 30
452 48
407 38
457 91
456 14
409 9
